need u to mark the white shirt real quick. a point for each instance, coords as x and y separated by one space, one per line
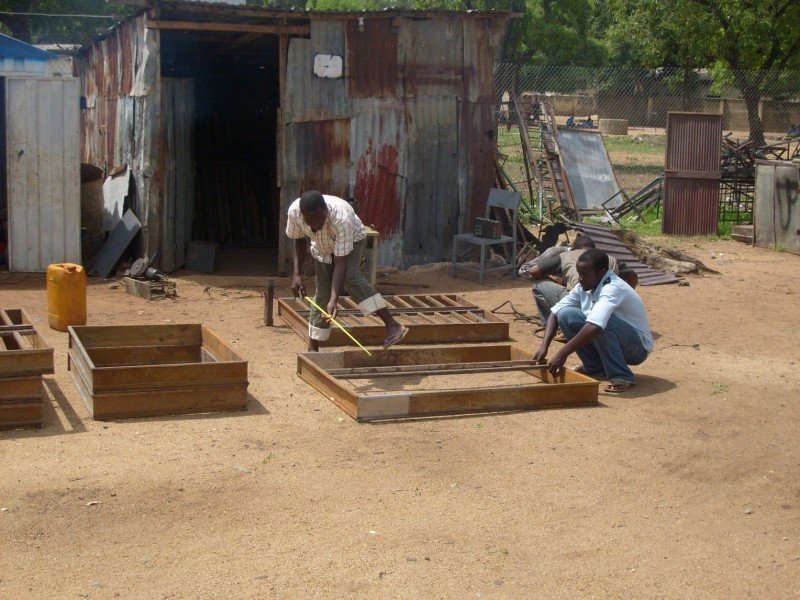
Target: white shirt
611 296
341 230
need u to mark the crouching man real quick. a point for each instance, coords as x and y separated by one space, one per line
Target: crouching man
337 242
604 321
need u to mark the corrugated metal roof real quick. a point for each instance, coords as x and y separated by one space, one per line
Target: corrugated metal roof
13 48
609 243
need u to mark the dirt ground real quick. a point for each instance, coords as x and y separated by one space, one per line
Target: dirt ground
686 487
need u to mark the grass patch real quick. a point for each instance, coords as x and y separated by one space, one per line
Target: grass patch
636 144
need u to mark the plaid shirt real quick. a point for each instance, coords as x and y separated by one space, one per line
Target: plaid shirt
336 238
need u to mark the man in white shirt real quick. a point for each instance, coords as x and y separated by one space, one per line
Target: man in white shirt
337 242
604 321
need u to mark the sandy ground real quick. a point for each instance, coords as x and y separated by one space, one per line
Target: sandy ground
685 487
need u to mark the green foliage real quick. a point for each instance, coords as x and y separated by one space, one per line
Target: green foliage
65 30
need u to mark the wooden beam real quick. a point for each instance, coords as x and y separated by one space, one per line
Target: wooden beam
440 369
230 27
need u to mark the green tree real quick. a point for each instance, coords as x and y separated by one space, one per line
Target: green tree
52 29
750 42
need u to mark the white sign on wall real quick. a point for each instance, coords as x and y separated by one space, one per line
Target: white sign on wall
328 66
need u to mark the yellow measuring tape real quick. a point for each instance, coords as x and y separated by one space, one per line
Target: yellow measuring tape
335 322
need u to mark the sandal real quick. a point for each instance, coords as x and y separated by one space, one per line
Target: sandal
396 338
618 387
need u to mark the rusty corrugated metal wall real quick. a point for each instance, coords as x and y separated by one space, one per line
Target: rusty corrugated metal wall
417 96
692 173
121 124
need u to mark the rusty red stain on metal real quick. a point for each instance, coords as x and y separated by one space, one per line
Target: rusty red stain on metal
376 189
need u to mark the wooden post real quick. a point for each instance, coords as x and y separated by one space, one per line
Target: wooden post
268 302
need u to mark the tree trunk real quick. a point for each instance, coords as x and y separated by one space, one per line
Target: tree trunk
752 97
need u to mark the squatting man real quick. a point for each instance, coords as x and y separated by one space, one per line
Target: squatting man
337 242
604 321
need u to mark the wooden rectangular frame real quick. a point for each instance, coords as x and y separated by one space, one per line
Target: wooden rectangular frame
24 358
431 319
328 373
133 371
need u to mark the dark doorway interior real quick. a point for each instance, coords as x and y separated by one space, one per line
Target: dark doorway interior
236 83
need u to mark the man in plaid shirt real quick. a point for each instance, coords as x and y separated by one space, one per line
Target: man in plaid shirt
337 242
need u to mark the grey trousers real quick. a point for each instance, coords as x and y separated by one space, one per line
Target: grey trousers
546 293
356 284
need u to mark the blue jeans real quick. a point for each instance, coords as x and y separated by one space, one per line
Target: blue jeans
546 293
611 352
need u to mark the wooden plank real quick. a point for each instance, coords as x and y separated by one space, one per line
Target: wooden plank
71 193
500 399
435 369
160 402
327 385
144 355
50 207
275 29
145 377
18 390
213 343
20 416
14 319
139 335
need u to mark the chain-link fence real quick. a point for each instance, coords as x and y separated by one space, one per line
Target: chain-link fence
636 101
643 97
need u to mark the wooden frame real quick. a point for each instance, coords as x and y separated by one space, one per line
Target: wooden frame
138 371
24 358
14 319
330 373
431 319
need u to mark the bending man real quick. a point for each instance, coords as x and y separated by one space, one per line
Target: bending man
604 321
337 242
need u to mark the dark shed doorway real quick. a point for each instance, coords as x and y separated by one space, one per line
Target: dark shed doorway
236 200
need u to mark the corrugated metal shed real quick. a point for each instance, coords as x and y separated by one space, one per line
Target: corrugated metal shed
777 205
692 173
609 243
406 130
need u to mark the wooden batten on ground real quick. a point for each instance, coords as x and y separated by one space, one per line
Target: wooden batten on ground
330 373
24 358
744 234
431 319
139 371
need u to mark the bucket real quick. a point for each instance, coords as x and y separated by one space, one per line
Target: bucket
66 295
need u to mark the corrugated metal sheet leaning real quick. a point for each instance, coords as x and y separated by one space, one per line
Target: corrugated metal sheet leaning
606 241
